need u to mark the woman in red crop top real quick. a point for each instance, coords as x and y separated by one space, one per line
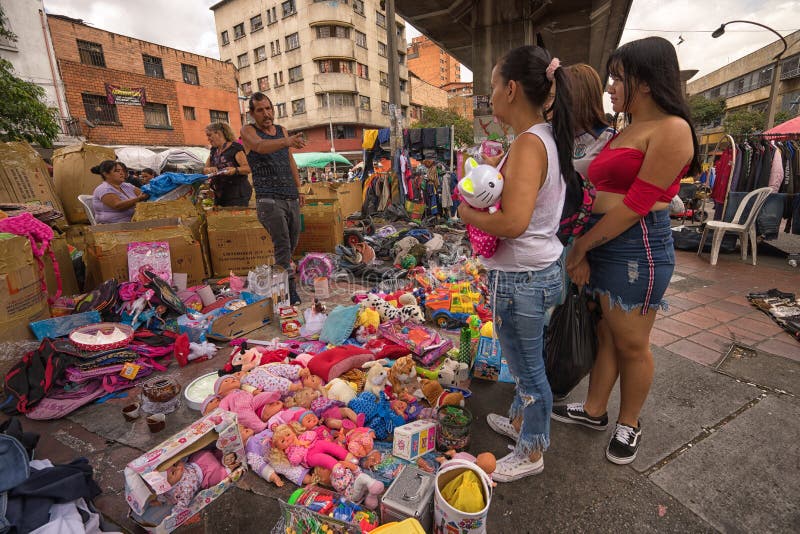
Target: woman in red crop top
626 257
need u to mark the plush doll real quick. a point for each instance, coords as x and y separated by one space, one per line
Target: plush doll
378 413
377 376
403 377
368 317
199 471
340 390
302 397
280 377
357 486
284 417
360 441
485 460
437 397
290 444
335 414
481 188
249 408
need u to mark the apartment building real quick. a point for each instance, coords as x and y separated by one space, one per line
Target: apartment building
431 63
323 64
126 91
459 98
423 95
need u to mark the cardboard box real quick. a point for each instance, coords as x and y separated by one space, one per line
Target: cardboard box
488 360
69 282
22 299
242 321
414 439
24 176
321 226
107 248
76 235
182 208
73 176
141 486
237 241
348 194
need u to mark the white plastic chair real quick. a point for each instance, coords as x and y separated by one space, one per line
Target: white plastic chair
746 229
86 200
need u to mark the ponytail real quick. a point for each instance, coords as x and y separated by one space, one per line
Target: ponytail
105 167
564 131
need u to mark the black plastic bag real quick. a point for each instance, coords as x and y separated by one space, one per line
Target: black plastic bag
570 343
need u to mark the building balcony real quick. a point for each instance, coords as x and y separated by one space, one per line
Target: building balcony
335 82
333 47
334 12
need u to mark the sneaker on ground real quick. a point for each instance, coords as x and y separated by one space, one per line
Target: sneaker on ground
511 467
294 298
574 413
624 443
502 425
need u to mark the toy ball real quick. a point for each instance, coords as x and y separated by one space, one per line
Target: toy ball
408 262
482 185
487 330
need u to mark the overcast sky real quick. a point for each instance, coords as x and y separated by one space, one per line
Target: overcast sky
189 24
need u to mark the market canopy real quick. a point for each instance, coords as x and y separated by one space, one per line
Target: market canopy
788 127
318 159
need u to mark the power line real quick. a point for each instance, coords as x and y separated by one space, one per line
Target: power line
704 31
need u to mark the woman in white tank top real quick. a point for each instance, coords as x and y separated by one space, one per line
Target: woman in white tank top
525 273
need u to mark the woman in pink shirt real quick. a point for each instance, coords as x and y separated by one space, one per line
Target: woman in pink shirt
114 200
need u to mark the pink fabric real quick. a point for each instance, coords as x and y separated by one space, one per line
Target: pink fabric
39 235
325 454
334 362
241 403
776 171
213 470
483 244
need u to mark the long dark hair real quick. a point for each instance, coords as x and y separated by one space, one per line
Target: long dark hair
653 61
105 167
527 65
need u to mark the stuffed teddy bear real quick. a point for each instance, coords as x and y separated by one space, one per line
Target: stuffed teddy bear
377 376
453 372
437 397
403 377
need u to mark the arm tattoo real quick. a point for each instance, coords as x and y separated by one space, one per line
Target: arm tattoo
597 243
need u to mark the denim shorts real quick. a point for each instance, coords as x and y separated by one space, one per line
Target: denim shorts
634 268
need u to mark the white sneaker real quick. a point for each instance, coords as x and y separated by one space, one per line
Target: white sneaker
511 467
502 425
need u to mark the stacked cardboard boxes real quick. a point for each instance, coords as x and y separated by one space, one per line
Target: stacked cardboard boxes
237 241
22 299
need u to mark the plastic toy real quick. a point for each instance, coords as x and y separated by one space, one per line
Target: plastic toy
481 188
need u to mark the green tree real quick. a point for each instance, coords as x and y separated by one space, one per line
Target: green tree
744 121
438 117
704 110
782 116
24 116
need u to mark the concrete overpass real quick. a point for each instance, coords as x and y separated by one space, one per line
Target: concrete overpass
478 32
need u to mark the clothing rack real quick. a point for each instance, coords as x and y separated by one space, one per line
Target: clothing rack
727 138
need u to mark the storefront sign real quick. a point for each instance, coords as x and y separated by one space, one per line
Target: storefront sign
134 96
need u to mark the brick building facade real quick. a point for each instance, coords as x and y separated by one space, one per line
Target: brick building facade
431 63
184 92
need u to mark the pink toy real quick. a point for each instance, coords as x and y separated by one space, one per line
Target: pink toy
201 470
481 188
348 479
39 235
305 449
247 407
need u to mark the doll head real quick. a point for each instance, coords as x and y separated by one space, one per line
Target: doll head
399 407
487 462
308 420
175 473
226 384
481 186
270 409
230 461
360 442
323 475
210 404
246 433
302 397
312 381
250 359
283 437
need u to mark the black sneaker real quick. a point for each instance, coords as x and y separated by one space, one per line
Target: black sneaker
573 413
624 443
294 298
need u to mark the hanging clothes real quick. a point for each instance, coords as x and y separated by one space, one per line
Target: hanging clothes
370 137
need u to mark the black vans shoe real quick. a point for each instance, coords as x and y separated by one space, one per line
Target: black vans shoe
624 443
573 413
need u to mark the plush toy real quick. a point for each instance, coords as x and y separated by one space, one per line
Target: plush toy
378 413
360 441
357 486
481 188
258 451
199 471
453 372
248 408
340 390
437 397
368 317
403 377
314 319
377 376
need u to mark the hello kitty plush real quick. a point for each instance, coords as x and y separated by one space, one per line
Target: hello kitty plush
481 188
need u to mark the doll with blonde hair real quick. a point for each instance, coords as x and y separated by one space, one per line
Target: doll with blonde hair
293 444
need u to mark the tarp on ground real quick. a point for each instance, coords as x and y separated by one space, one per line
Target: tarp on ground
318 159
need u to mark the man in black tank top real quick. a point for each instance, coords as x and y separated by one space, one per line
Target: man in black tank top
276 181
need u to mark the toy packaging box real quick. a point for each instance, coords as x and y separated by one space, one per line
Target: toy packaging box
488 360
414 439
142 483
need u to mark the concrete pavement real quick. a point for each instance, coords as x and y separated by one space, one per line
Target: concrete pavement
719 447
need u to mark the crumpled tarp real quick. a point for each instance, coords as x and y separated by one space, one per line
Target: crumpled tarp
164 183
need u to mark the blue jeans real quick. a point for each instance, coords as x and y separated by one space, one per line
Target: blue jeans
520 301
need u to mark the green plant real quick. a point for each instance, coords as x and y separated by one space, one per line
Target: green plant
744 121
706 111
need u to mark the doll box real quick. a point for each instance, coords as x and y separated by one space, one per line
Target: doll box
410 495
414 439
488 359
218 427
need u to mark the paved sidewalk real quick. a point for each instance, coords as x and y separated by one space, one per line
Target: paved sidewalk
719 449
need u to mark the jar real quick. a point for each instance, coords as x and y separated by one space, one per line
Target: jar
161 389
453 428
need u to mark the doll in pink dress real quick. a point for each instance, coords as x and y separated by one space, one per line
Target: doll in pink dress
199 471
305 449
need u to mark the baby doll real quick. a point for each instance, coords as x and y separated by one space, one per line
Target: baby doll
310 422
249 408
360 442
302 397
335 414
280 377
285 416
200 471
258 450
348 479
304 449
485 460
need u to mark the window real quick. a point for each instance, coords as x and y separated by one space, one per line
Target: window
218 116
225 38
384 79
189 114
381 49
153 66
91 53
358 7
335 65
263 83
280 110
256 24
362 71
156 116
190 74
288 8
243 60
238 31
384 107
272 18
299 106
361 39
401 58
292 41
380 19
247 88
790 67
260 53
278 78
296 74
363 103
337 100
402 85
98 110
275 47
343 131
323 32
342 32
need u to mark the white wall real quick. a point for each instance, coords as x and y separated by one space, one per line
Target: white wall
29 54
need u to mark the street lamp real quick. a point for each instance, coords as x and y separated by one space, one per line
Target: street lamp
330 122
776 71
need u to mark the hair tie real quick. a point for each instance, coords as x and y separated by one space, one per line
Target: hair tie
551 69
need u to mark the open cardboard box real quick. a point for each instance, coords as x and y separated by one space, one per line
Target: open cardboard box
141 486
242 321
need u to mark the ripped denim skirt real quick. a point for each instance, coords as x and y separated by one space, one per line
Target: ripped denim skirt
634 269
